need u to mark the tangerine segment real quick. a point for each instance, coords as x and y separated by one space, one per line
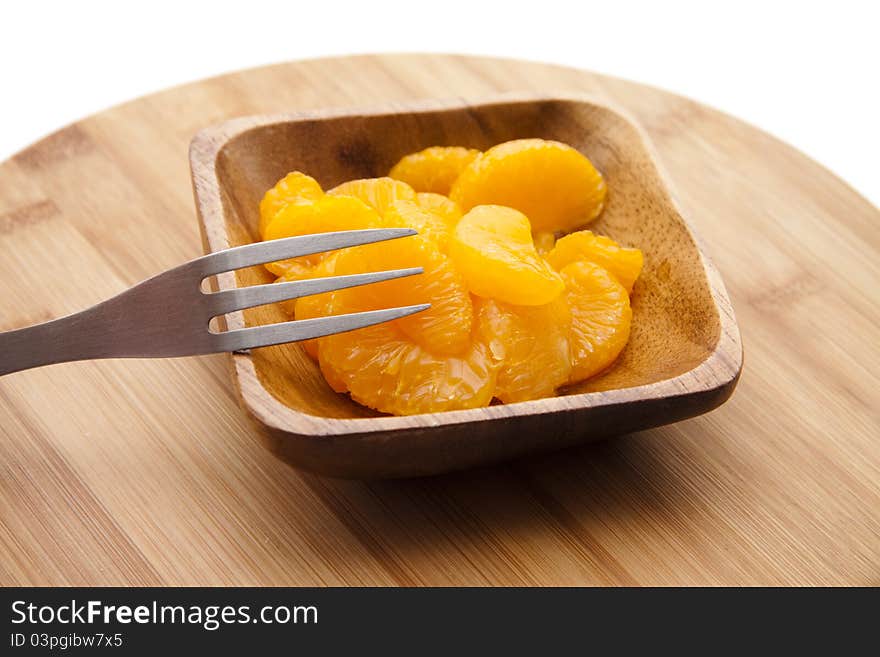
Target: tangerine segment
295 187
492 247
531 342
333 378
315 305
289 270
553 184
439 204
433 169
326 215
624 263
378 193
386 371
600 318
431 225
444 328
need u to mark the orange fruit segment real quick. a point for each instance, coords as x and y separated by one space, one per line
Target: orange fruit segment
492 247
531 342
433 169
326 215
378 193
624 263
290 269
445 328
295 187
332 376
385 370
439 204
315 305
600 318
431 225
553 184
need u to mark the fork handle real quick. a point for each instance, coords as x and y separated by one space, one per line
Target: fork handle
139 323
57 341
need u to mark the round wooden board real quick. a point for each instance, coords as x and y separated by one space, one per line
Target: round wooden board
147 472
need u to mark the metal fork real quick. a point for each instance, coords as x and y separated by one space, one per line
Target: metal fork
168 315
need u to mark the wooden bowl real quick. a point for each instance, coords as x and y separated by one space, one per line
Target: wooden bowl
683 358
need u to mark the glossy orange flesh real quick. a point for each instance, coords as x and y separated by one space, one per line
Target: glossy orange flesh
515 312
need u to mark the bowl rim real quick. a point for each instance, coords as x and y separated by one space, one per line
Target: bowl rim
719 370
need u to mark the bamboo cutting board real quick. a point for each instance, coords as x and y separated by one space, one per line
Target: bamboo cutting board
147 472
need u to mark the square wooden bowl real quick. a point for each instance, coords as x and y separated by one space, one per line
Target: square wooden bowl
683 358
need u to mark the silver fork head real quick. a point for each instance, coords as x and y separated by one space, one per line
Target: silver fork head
225 301
169 314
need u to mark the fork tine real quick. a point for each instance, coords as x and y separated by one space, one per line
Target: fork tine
305 329
292 247
227 301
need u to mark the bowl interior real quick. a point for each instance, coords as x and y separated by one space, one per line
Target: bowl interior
675 320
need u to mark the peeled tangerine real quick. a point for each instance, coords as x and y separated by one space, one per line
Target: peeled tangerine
327 214
384 370
574 337
515 313
600 318
432 224
433 169
625 264
315 305
439 204
492 247
532 343
294 188
553 184
426 363
444 328
378 193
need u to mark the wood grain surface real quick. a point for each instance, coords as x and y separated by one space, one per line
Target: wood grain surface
147 472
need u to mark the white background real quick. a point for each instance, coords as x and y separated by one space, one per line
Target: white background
806 72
